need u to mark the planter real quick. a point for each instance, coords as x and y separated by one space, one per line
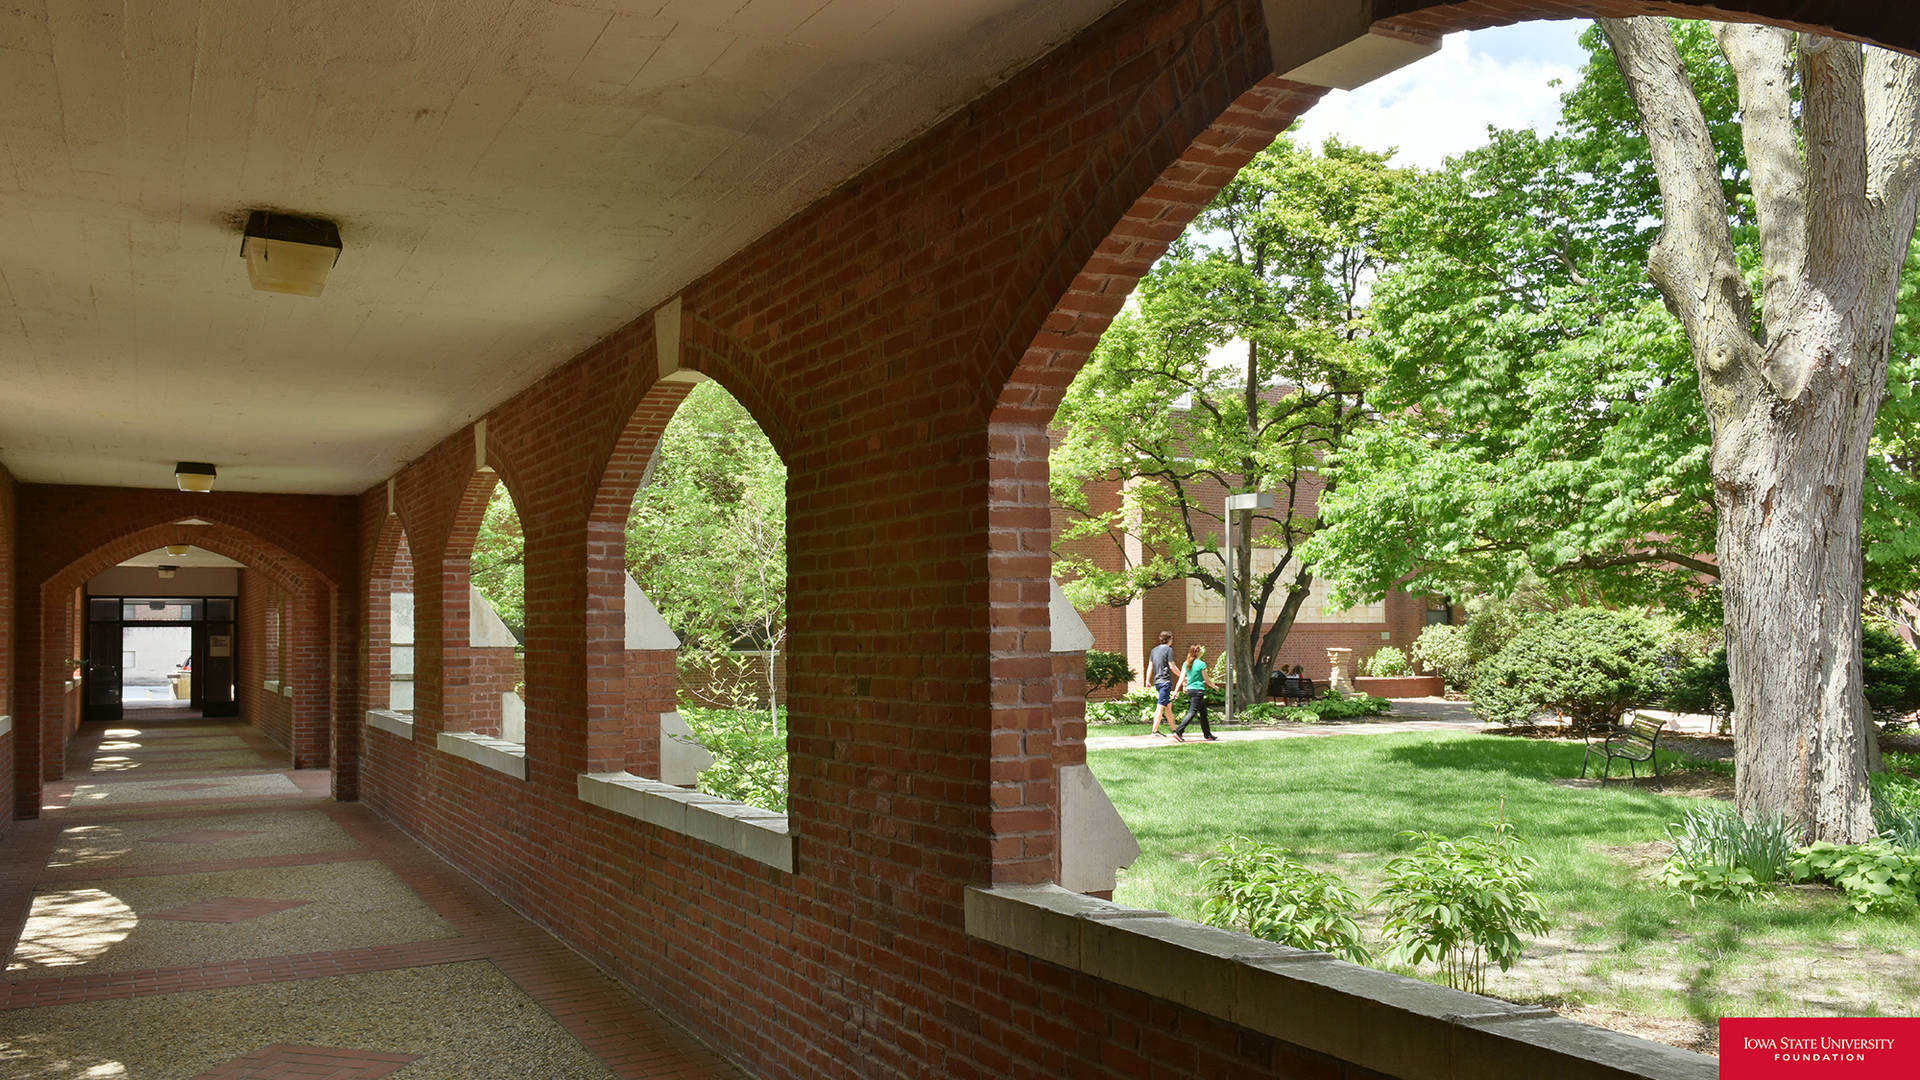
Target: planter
1405 687
182 686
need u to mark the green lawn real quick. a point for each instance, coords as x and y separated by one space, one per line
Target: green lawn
1624 948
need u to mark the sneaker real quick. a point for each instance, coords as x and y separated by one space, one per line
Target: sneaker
1177 737
1213 738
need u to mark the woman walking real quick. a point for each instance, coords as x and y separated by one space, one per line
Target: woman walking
1193 675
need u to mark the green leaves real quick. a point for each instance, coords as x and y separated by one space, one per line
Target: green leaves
707 539
499 564
1718 853
1590 664
1877 876
1263 890
1462 904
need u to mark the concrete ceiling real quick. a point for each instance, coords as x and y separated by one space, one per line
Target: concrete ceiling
513 179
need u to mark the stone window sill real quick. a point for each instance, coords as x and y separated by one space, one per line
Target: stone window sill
6 724
496 754
391 722
271 686
1387 1023
747 831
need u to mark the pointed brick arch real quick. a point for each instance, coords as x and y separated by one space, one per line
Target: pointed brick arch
1157 171
308 724
471 678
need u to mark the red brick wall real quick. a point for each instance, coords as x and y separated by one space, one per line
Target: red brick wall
304 544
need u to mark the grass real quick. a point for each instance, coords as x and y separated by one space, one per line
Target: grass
1621 943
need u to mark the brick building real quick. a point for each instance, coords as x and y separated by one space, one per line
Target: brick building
894 231
1196 615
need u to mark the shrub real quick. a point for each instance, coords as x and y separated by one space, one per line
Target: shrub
1718 853
1889 675
1896 809
1123 711
1889 672
1462 904
1263 890
1327 708
1106 670
1388 663
1877 876
1441 649
1589 664
749 757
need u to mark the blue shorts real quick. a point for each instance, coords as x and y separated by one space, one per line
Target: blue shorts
1166 692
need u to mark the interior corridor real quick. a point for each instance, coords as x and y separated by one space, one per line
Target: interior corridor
188 907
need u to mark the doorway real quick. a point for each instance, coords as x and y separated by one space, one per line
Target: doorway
162 652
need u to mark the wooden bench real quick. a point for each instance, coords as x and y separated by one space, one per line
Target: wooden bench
1636 742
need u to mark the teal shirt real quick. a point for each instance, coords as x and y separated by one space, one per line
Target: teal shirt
1197 675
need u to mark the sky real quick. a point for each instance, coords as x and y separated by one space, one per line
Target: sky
1442 105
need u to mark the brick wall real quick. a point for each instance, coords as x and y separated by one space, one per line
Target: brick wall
304 544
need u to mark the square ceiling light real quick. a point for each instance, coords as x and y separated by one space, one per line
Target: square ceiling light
288 254
194 476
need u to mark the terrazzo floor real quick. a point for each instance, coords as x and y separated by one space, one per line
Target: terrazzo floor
223 925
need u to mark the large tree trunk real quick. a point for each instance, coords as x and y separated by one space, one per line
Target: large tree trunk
1792 406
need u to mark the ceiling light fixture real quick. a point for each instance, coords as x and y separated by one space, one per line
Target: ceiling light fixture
194 476
178 549
288 254
165 572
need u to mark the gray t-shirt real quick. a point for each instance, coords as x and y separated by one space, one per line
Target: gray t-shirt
1160 664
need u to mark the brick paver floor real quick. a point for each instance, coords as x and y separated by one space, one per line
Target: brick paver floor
43 1026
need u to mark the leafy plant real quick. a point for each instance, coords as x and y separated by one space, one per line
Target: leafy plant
1263 890
1106 670
1896 808
1387 663
1717 853
749 759
1589 664
1441 649
1121 711
1462 904
1877 876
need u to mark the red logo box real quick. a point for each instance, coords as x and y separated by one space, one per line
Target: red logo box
1816 1048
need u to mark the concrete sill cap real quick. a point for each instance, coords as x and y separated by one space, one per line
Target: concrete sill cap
747 831
1388 1023
391 722
485 750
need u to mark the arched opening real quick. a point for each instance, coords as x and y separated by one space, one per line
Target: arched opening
284 691
1036 663
484 583
390 644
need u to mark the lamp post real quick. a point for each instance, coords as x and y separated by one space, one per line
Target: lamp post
1236 504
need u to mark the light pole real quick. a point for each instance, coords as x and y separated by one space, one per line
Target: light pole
1236 504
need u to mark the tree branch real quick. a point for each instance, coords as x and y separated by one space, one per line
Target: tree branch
1693 260
1763 61
1632 558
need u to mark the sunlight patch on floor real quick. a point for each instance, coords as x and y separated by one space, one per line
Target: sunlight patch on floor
65 929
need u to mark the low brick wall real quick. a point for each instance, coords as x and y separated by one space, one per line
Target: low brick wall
1406 687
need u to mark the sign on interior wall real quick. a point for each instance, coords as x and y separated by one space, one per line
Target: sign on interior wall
219 645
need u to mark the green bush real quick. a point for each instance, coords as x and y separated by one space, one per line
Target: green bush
1896 808
1441 649
1889 672
1720 854
1462 904
1388 663
1122 711
749 757
1589 664
1877 876
1703 686
1106 670
1263 890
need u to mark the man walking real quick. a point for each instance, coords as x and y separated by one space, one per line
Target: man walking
1160 673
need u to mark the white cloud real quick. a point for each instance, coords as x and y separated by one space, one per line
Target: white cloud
1442 105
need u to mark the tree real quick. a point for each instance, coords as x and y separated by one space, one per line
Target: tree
707 539
1278 264
499 564
1833 135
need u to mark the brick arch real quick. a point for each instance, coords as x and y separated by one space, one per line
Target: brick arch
392 558
308 729
470 678
617 739
722 357
1113 218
